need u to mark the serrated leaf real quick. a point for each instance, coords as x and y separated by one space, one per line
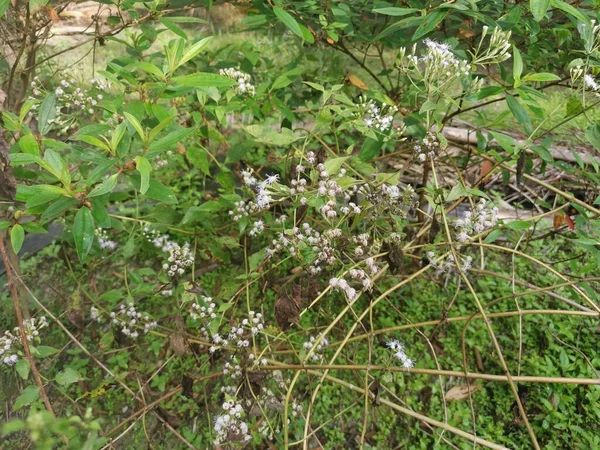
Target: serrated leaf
28 144
17 236
83 232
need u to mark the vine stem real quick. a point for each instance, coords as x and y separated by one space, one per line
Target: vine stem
17 306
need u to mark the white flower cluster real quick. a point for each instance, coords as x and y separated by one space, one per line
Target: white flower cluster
129 319
10 342
342 285
428 148
261 201
103 241
206 311
400 354
230 426
476 221
391 199
70 98
316 355
160 241
447 264
159 162
179 259
244 85
257 228
440 62
376 116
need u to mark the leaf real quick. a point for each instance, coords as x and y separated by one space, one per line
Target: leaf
83 232
288 20
23 367
266 135
57 166
201 212
146 67
202 79
156 190
520 114
16 424
137 125
395 11
506 142
333 165
517 66
195 50
143 167
592 134
105 187
46 114
370 149
199 158
428 24
28 144
570 10
67 376
43 351
354 80
27 397
4 4
542 76
169 140
538 8
17 236
174 28
462 391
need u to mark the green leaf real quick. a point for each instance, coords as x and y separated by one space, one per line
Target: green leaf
28 144
570 10
517 66
520 114
27 397
199 158
4 4
202 79
156 190
266 135
542 76
169 140
592 134
538 8
333 165
370 149
67 376
46 114
395 11
286 78
146 67
518 225
195 50
429 23
57 208
4 224
174 28
105 187
17 236
44 351
23 367
57 166
83 232
288 20
137 125
202 212
14 425
20 159
143 167
506 142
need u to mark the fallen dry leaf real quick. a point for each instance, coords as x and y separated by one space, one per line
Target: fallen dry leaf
461 391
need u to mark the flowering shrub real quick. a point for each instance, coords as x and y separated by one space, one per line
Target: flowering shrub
263 242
